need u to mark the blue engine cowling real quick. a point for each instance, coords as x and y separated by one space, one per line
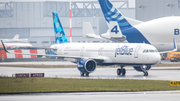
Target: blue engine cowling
139 68
86 65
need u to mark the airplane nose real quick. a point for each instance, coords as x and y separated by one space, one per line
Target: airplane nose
157 58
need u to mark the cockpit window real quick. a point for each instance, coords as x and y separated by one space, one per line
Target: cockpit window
150 51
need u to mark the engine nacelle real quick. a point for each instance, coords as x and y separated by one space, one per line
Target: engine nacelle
139 68
86 65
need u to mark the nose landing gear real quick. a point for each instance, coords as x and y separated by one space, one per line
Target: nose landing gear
143 68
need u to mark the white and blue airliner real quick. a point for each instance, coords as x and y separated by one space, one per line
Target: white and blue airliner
88 55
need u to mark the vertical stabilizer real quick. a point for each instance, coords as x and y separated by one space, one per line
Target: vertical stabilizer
16 36
88 31
60 36
112 14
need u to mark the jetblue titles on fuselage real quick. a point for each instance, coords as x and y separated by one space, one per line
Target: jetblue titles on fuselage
124 50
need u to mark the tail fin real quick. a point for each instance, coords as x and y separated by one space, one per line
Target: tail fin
112 14
88 31
16 36
60 36
131 34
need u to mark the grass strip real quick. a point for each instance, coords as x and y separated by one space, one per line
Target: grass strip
25 85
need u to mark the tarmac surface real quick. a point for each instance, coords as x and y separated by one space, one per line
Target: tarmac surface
99 73
157 73
97 96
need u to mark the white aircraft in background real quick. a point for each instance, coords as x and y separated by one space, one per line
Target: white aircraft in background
158 32
16 42
16 36
88 55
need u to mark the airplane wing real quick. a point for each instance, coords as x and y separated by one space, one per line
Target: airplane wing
97 59
175 47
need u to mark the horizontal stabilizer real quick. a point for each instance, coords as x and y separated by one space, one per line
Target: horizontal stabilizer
114 32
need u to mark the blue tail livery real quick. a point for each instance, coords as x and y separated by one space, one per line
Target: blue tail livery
112 14
60 36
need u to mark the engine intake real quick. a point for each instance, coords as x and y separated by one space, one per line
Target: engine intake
86 65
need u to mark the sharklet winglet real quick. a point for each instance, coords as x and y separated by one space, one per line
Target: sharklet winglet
175 45
4 46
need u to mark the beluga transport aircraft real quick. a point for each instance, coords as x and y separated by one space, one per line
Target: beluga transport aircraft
88 55
158 32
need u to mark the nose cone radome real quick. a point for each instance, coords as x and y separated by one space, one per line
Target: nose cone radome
156 58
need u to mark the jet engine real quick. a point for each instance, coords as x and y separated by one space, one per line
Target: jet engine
142 68
86 66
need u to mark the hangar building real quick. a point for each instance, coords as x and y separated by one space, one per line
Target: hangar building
152 9
32 19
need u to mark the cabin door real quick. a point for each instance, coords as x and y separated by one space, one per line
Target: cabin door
136 51
82 51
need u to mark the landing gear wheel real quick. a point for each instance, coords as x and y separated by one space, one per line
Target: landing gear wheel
123 71
177 60
82 74
118 71
144 69
145 73
87 74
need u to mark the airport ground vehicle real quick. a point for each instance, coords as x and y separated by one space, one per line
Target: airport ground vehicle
172 56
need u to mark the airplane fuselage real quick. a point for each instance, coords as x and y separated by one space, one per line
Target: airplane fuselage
112 53
17 44
159 33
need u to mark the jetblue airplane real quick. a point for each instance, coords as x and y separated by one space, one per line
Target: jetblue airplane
88 55
158 32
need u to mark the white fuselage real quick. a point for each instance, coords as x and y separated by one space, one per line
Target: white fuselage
112 53
17 44
160 32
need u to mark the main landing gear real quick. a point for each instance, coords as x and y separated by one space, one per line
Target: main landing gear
86 74
121 71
